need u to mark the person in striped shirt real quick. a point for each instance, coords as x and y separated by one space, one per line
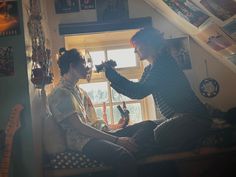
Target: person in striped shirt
183 113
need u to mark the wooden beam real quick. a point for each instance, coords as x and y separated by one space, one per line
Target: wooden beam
89 27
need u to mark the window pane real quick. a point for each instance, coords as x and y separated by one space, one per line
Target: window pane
116 97
100 114
97 57
97 92
123 57
134 113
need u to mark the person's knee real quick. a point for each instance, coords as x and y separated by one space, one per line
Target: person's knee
150 124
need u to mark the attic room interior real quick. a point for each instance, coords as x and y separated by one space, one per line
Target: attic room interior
109 88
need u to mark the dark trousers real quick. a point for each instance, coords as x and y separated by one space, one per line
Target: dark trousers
117 156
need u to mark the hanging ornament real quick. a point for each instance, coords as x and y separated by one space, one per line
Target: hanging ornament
41 65
209 87
89 65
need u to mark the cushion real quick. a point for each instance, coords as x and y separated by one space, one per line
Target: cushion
71 159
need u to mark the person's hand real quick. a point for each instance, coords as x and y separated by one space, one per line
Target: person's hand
127 143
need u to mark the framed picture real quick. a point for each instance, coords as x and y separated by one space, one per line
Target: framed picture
9 18
66 6
109 10
222 9
188 10
230 29
179 49
215 38
87 4
6 61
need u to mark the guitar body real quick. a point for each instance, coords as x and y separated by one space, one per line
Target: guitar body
12 126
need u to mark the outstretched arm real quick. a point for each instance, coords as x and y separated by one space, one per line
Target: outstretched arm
134 90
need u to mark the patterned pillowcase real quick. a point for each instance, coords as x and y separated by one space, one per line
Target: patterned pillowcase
71 159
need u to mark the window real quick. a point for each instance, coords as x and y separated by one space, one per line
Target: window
100 91
112 45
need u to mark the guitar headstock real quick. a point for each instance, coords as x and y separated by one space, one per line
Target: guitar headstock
14 121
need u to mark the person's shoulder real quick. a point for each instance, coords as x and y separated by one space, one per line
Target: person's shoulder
59 92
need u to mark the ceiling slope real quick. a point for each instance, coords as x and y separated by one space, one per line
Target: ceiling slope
207 28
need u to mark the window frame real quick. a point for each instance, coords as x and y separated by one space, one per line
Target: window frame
128 72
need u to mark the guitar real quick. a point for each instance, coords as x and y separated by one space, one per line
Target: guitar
12 126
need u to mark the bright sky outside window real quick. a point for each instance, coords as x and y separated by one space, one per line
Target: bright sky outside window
97 57
123 57
98 92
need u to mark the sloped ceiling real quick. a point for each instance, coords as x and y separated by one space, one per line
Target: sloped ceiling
212 23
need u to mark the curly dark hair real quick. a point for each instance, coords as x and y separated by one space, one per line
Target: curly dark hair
66 57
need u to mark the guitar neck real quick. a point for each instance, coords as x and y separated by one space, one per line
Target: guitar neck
5 163
12 126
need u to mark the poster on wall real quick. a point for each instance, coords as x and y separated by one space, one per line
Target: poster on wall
215 37
179 48
6 61
230 29
66 6
222 9
87 4
9 18
110 10
188 10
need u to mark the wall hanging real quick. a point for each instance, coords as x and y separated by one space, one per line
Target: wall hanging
209 87
66 6
9 18
188 10
41 72
6 61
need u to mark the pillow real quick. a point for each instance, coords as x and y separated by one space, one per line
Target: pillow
53 136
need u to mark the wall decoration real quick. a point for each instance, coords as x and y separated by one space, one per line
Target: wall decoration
209 87
6 61
188 10
66 6
9 18
230 29
110 10
222 9
215 37
87 4
179 48
232 58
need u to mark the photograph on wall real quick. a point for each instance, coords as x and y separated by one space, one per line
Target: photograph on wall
188 10
66 6
216 38
87 4
9 18
222 9
179 49
230 29
232 58
6 61
110 10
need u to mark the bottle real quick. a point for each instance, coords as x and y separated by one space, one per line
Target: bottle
104 113
126 113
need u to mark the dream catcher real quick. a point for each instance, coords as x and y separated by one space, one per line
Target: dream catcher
209 87
41 73
89 65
